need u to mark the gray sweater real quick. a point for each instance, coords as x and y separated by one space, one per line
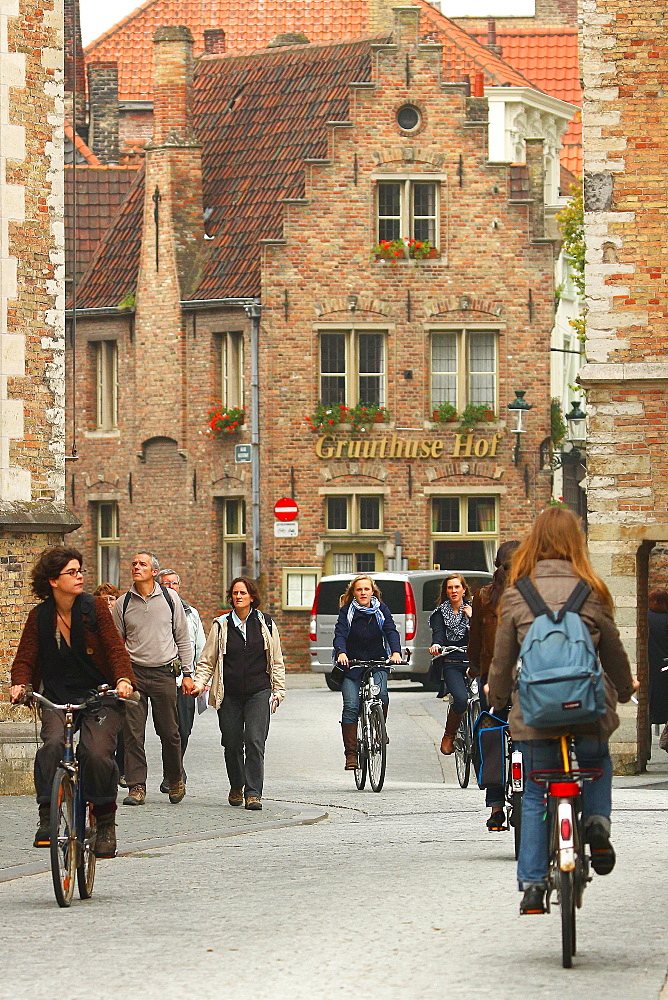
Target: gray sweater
146 628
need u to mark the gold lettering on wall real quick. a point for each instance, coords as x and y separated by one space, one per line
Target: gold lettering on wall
328 446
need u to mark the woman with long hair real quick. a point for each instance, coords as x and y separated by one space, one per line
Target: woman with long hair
69 647
364 630
484 619
242 661
450 624
554 556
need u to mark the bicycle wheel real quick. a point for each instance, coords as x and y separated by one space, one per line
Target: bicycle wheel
63 837
378 748
567 907
516 820
360 770
86 868
463 752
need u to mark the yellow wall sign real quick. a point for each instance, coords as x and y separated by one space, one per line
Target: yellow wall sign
329 446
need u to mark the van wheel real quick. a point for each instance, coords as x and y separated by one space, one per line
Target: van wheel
331 684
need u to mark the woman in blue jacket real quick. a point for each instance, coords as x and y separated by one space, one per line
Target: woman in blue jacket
365 630
450 624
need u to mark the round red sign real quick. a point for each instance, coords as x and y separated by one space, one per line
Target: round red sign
285 509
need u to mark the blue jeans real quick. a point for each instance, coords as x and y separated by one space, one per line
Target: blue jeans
453 674
350 689
544 755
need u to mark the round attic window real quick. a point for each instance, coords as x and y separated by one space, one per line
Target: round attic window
408 118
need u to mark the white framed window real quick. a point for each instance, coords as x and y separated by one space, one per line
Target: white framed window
232 369
354 559
299 584
353 514
234 539
108 544
464 367
464 532
408 209
106 356
352 367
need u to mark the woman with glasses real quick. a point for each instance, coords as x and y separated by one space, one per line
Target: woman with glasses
69 647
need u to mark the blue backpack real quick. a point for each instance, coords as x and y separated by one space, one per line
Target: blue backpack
560 680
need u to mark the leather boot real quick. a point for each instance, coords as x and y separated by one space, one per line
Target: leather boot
43 835
349 731
451 724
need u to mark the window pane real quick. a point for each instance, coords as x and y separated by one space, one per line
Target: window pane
445 514
482 514
369 513
342 562
460 555
444 368
424 212
371 368
110 564
107 384
337 513
332 368
389 211
232 359
300 589
365 562
232 517
235 560
482 364
108 518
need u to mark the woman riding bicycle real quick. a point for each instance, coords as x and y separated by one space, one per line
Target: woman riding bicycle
450 624
480 649
365 630
554 555
69 647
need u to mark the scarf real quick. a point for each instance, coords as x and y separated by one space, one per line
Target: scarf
373 609
456 625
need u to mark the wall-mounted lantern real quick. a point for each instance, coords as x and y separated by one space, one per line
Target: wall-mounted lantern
519 407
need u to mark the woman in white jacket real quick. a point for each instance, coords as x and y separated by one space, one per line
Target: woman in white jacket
243 662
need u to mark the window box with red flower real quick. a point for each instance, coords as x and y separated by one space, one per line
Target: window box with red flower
327 418
223 421
389 251
422 250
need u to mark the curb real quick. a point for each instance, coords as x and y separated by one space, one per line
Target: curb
307 817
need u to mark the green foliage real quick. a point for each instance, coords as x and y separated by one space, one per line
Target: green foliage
127 302
445 413
557 422
364 414
473 414
571 226
327 418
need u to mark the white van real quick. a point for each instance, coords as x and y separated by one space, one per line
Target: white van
410 596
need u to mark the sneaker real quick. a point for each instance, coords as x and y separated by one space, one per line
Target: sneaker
122 783
164 786
105 840
136 796
177 791
43 835
253 802
497 821
236 797
533 900
602 852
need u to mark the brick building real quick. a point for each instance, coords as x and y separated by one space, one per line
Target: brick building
626 375
240 269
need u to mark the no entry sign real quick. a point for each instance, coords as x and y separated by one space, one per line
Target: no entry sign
285 509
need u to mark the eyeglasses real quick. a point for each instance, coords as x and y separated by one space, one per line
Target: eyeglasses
73 572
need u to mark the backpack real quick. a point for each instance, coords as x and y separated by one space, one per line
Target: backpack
168 597
560 680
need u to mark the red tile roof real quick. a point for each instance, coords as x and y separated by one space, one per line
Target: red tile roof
548 56
100 193
83 151
252 25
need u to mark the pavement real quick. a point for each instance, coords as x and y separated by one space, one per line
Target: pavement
397 896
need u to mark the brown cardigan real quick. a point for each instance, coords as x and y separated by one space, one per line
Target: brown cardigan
555 580
483 630
105 647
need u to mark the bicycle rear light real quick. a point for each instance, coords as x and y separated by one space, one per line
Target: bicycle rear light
411 616
516 771
565 829
560 789
313 631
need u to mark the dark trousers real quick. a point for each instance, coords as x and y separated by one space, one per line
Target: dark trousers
155 684
244 725
97 745
453 675
495 795
185 710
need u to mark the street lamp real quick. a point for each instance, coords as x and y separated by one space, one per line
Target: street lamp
577 424
572 451
519 407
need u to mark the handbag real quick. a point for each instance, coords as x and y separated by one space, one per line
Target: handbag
489 750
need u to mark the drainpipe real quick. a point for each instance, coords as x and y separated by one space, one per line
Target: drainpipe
254 312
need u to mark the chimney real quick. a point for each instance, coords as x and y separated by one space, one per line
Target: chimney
381 16
214 41
103 110
172 84
556 12
75 75
536 171
491 38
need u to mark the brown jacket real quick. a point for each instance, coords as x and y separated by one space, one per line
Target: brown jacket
105 647
555 580
483 631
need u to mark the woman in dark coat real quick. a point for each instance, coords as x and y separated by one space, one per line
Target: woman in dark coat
449 625
69 647
657 652
365 630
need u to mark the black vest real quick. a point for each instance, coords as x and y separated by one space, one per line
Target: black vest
245 663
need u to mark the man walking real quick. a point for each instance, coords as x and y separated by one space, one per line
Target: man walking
153 624
185 704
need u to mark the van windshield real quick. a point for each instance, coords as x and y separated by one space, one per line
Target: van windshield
392 591
432 589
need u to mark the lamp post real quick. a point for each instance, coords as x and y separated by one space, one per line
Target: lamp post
518 407
572 452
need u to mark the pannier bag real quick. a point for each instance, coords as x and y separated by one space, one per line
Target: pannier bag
559 680
489 750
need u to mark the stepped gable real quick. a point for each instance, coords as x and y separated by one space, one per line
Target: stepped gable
253 25
112 274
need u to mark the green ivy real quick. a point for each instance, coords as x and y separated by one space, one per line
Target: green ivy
557 422
571 226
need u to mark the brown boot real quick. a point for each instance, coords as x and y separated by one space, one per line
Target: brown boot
105 841
349 731
451 724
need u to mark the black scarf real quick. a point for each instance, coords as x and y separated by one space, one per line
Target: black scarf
50 654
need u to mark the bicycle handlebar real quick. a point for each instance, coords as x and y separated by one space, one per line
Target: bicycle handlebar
386 664
92 701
